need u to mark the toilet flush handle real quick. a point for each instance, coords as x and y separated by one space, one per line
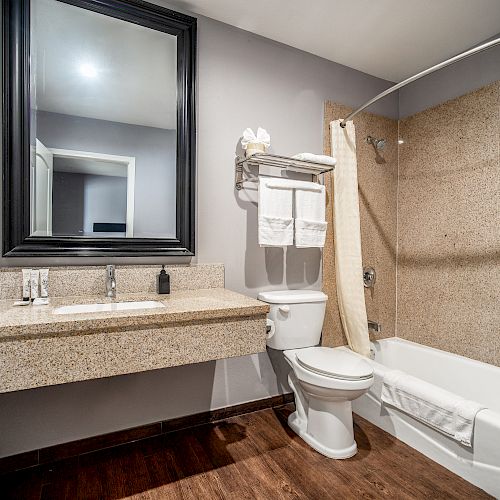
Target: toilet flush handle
270 328
285 309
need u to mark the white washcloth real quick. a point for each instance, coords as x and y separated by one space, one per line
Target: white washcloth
327 160
310 223
347 241
275 213
440 409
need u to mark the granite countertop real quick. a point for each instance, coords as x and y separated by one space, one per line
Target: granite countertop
17 322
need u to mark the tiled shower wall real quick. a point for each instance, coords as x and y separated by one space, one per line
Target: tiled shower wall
448 225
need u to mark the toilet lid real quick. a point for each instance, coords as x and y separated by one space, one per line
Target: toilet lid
334 363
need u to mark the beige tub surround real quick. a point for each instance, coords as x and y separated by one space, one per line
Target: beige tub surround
449 237
40 348
377 191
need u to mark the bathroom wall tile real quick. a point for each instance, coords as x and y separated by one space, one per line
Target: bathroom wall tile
11 283
377 179
445 306
133 279
495 349
449 241
90 280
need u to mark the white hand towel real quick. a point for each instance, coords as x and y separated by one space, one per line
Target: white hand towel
310 224
326 160
275 213
347 241
440 409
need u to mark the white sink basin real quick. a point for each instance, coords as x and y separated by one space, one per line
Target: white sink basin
112 306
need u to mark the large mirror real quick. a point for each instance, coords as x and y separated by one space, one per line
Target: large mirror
104 161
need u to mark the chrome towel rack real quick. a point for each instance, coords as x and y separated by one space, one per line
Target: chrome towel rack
271 160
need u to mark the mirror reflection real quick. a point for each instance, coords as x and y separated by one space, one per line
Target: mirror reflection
104 112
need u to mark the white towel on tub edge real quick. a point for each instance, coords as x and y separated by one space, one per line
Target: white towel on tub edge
444 411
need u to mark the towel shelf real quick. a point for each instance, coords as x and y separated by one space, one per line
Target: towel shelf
277 161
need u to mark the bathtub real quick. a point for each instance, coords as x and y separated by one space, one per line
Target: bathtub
470 379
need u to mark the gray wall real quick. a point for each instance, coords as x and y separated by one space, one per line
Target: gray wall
243 81
154 152
249 81
450 82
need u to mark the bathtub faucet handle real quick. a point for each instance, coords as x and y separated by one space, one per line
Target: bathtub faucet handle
369 277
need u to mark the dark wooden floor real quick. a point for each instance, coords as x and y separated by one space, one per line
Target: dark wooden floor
250 456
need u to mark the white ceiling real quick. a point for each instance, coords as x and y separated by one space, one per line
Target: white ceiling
391 39
135 80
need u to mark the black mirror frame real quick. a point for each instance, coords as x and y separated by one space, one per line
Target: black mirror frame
17 241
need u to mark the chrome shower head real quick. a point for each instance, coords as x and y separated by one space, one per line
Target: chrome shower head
377 143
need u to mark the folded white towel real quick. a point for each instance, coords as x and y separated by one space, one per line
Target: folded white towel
277 183
440 409
262 137
310 224
275 232
275 213
327 160
309 233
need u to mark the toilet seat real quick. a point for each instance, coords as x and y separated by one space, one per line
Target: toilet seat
334 363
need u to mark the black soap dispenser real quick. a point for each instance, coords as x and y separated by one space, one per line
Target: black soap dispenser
163 282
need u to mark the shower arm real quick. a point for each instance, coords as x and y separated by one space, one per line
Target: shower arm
426 72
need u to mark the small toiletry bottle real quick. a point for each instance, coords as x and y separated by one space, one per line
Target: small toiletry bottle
35 283
163 281
44 283
26 284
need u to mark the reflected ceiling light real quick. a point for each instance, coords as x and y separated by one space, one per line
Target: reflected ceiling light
88 70
400 141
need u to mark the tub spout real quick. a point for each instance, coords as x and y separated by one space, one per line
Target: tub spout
374 326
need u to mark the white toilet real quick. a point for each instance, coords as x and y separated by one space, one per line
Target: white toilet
325 380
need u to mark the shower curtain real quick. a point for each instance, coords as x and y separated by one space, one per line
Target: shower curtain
347 239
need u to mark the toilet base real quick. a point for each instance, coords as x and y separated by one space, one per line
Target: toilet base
300 428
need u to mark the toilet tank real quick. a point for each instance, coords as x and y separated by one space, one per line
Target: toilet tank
296 318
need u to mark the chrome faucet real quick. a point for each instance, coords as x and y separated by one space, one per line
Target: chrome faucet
374 326
110 281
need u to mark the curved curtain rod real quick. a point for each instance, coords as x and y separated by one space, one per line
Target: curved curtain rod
426 72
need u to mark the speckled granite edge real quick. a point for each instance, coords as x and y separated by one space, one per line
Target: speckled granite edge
184 306
31 363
